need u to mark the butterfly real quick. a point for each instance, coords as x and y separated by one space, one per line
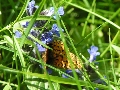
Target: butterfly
57 56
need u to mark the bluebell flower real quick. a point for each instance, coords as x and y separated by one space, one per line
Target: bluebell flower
68 72
55 30
93 53
39 23
51 11
96 88
35 33
47 37
31 7
49 70
24 24
59 12
71 73
48 12
40 47
18 34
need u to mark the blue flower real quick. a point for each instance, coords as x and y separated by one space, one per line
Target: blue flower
49 70
71 73
18 34
68 72
31 7
93 53
35 33
39 23
40 47
55 30
59 12
48 12
24 24
51 11
96 88
47 37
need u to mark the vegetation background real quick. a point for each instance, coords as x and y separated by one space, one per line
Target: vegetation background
88 22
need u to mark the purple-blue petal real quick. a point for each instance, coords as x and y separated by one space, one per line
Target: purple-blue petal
60 11
96 88
31 7
71 73
94 48
49 70
68 71
64 76
50 11
40 48
18 34
93 53
24 24
55 30
55 27
47 37
35 33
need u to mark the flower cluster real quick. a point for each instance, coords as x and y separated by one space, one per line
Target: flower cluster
31 8
47 12
45 37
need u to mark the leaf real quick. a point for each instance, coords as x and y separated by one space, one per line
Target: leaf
7 87
55 79
8 40
116 48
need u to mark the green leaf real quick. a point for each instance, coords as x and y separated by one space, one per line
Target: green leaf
8 39
55 79
7 87
116 48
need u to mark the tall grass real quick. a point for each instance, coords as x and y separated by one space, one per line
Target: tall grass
85 23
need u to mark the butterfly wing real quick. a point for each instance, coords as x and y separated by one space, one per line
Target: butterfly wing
60 58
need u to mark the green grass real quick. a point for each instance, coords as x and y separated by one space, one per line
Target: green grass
85 23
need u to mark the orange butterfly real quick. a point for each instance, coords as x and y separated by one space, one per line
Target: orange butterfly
58 57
